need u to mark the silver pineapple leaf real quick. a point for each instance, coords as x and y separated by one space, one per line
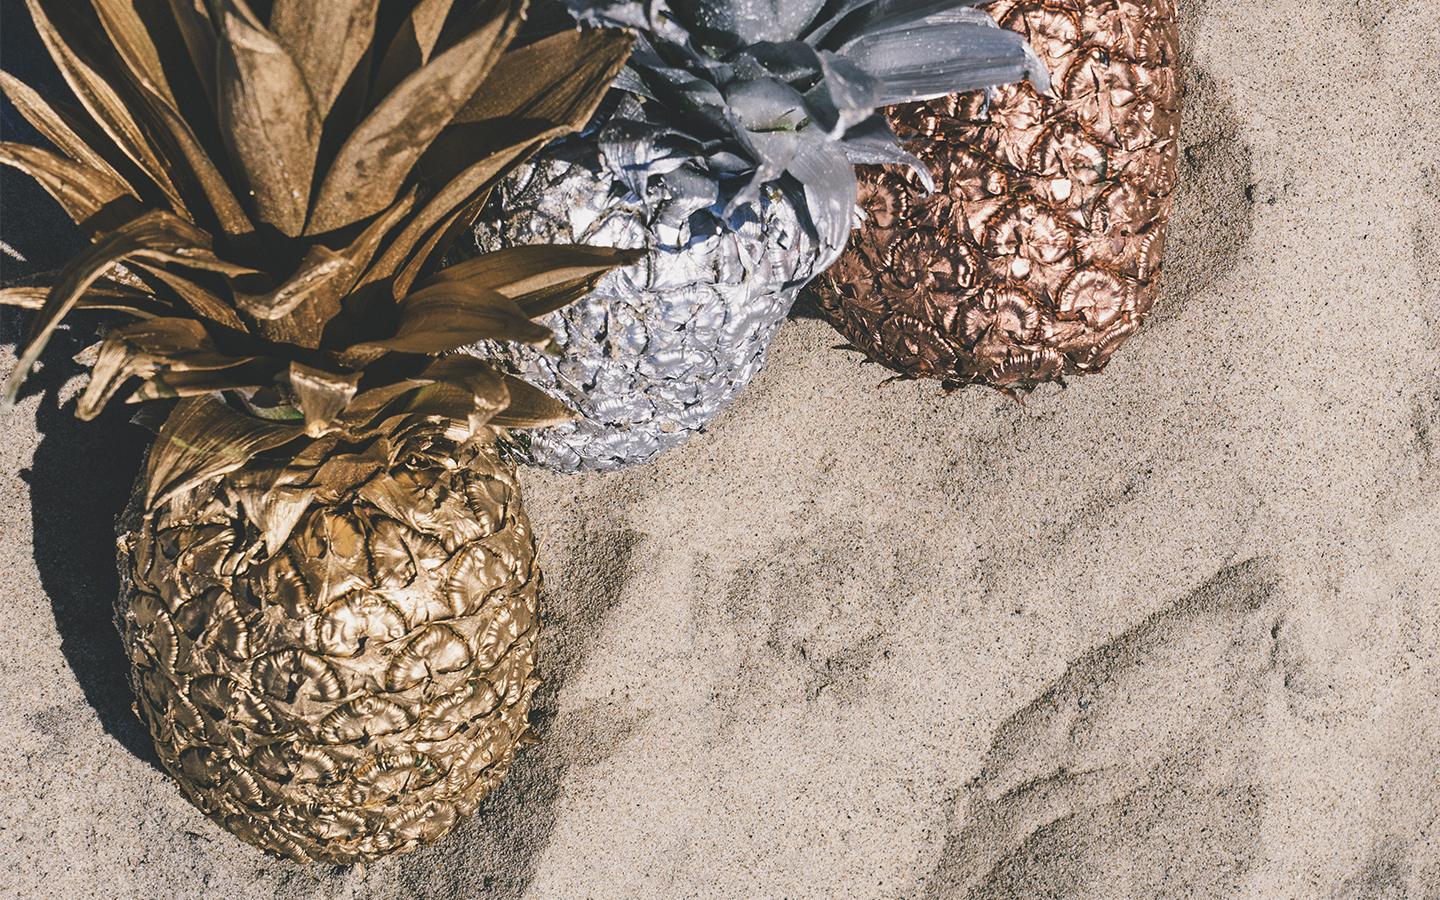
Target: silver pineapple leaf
748 91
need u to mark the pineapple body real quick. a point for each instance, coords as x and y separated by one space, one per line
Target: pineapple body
659 348
1040 251
356 690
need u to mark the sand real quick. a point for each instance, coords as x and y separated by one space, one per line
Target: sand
1170 632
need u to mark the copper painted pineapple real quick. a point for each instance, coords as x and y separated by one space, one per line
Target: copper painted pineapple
329 584
1040 251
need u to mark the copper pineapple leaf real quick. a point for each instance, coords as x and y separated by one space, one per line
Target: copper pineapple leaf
268 117
377 158
156 235
63 131
531 407
109 110
97 202
145 348
326 40
540 278
202 439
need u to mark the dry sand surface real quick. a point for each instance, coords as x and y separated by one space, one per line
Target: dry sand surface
1171 632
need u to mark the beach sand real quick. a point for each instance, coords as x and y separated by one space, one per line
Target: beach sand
1173 631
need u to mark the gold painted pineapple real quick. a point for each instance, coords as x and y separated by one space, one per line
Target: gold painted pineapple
329 584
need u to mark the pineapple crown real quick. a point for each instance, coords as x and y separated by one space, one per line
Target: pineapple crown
267 194
750 90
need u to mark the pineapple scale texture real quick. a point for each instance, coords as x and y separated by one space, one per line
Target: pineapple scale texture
659 348
727 154
1040 251
360 688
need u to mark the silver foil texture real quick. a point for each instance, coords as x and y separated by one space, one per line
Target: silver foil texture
660 347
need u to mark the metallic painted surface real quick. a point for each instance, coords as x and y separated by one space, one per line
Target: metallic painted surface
358 690
659 348
1040 252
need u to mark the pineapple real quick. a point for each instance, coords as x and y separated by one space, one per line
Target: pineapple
329 582
1041 251
726 153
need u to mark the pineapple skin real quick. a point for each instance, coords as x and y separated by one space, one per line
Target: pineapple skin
1040 251
359 691
659 348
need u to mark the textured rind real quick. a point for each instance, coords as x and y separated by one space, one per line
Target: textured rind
359 691
660 347
1040 251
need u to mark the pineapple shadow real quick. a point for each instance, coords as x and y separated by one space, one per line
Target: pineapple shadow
494 855
80 481
1135 774
1215 197
37 234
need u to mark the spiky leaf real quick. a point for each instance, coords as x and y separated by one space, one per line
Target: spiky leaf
97 95
539 278
204 438
156 235
377 158
326 40
449 315
91 197
146 348
530 407
50 118
269 118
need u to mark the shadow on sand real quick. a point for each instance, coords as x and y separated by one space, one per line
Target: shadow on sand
79 481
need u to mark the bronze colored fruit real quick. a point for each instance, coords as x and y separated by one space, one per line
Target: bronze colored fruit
1040 251
330 585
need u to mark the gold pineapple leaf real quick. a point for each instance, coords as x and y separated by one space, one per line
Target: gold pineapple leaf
377 157
326 40
449 315
202 439
156 235
146 348
540 278
63 126
91 197
268 118
531 407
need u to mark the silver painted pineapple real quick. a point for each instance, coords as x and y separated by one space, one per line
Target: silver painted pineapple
727 153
